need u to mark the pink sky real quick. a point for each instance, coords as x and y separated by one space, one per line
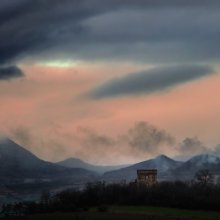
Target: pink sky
113 82
48 113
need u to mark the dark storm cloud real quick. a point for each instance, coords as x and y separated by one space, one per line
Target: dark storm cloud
10 72
156 34
142 30
35 25
149 81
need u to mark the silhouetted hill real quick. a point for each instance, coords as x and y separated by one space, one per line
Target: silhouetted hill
21 165
162 163
77 163
168 169
204 161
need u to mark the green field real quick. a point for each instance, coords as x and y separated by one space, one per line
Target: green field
127 213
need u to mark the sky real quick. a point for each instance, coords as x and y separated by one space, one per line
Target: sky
108 81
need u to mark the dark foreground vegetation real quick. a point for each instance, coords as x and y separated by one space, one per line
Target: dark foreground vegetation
123 213
191 196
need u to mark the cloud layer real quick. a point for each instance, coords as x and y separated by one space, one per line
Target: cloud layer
144 31
148 139
10 72
139 142
149 81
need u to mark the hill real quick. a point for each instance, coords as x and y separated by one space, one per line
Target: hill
204 161
162 163
20 165
78 163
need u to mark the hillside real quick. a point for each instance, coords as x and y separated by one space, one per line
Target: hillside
162 163
77 163
21 165
204 161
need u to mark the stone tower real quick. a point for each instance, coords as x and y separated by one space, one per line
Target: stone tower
148 177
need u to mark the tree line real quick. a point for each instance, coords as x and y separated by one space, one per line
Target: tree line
191 195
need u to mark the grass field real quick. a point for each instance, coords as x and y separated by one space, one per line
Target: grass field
127 213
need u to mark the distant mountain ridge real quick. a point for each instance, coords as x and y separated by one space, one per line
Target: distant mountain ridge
19 164
162 163
78 163
168 169
203 161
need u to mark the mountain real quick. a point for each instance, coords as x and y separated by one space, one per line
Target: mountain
162 163
20 165
77 163
204 161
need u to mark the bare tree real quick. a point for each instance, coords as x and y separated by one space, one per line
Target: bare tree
204 177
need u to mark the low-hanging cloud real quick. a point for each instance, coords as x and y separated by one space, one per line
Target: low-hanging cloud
146 138
192 146
10 72
153 80
141 141
90 138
